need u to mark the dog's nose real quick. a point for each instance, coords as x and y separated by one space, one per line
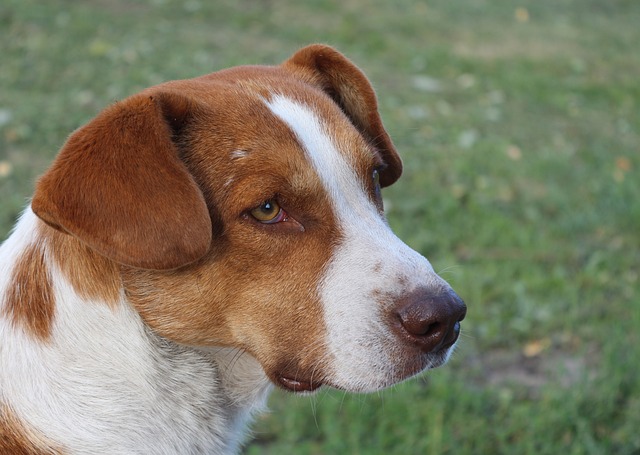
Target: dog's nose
431 320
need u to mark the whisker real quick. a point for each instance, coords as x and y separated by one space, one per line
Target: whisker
449 269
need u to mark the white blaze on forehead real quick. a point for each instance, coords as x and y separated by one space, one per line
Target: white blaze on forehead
370 261
357 215
335 171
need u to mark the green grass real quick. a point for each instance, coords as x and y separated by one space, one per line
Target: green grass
519 125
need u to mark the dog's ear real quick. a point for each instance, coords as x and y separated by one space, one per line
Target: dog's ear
118 184
350 89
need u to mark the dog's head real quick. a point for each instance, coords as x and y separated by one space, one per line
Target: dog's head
244 209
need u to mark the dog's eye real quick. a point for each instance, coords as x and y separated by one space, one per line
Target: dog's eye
269 212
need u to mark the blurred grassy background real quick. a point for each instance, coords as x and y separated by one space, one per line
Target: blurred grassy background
519 126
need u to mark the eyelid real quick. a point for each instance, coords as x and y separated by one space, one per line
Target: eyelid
280 217
380 166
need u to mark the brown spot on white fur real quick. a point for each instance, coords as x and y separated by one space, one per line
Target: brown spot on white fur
29 299
92 276
18 439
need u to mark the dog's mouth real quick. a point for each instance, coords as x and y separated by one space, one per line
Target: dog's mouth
419 365
298 385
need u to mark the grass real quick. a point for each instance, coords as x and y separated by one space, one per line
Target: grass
519 125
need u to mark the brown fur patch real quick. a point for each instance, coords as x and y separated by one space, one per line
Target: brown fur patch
29 298
93 276
30 301
16 439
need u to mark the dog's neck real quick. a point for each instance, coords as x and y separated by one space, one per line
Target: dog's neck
142 390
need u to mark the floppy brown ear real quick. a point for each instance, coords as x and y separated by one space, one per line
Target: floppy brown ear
119 185
350 89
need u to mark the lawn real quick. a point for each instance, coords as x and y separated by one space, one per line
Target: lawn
519 125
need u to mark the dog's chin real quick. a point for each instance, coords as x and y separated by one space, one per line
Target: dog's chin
365 383
424 363
400 374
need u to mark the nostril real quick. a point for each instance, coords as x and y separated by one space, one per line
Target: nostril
431 329
417 322
432 321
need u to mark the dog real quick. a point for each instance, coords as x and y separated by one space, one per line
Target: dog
199 242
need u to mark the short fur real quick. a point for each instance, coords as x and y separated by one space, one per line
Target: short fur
144 308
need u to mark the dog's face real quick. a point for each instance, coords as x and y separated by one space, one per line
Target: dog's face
244 209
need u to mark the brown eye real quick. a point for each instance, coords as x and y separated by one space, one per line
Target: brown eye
269 212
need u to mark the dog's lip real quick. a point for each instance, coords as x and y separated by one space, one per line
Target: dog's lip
297 385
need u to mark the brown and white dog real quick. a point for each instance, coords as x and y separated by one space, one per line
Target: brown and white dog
200 241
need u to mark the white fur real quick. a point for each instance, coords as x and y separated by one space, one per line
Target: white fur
239 154
374 259
104 383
